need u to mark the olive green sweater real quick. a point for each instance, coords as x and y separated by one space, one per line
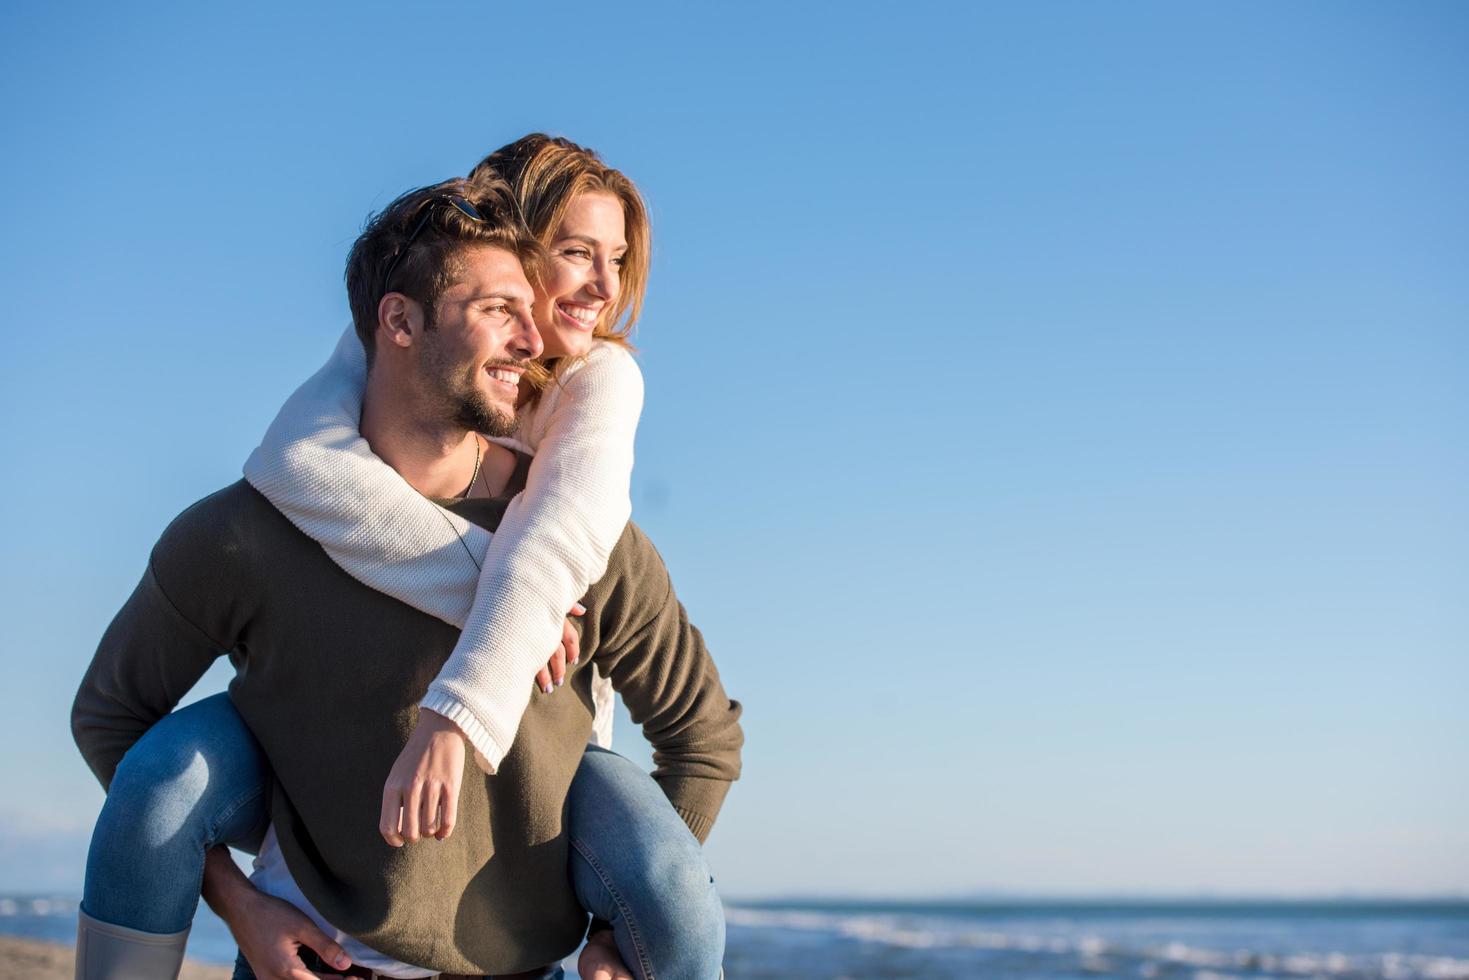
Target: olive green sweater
328 676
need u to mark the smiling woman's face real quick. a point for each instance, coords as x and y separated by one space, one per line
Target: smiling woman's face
582 279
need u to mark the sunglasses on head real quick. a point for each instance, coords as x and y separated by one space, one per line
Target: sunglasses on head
458 203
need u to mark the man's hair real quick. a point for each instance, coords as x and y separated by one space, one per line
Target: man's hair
424 267
547 173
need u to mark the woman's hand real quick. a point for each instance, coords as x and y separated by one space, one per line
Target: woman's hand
599 959
549 677
421 797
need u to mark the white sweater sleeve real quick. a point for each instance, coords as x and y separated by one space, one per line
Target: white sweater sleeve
316 468
552 544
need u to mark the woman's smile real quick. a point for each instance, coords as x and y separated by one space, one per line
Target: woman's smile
579 315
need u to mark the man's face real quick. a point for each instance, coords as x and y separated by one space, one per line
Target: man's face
482 337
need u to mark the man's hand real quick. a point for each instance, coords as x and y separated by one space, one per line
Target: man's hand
549 677
421 796
600 960
270 932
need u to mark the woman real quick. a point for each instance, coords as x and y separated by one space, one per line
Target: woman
554 541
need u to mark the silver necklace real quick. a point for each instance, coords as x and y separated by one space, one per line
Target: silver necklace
478 456
479 452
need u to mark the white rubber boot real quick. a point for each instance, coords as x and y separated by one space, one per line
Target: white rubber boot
109 952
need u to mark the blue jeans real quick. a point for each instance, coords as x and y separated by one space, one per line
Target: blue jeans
198 779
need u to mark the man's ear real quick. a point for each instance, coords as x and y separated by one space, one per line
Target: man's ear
399 320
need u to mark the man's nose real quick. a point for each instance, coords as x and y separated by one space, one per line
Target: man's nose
526 342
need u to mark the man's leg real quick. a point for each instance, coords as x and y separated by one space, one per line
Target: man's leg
636 864
197 779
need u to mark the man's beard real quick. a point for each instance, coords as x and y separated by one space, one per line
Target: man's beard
471 410
465 404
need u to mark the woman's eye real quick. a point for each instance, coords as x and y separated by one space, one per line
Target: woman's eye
620 261
577 253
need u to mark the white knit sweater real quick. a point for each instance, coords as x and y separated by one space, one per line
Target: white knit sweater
553 542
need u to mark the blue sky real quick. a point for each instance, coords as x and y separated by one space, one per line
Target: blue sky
1056 415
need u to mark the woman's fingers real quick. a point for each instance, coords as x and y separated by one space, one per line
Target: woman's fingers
557 666
428 809
570 642
543 681
448 812
388 820
411 801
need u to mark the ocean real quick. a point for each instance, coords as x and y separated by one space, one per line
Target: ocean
1035 940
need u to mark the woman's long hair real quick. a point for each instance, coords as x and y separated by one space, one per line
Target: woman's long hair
547 173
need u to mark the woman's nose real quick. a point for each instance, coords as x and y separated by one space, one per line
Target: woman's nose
604 280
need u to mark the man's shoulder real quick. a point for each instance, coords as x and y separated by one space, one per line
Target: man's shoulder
227 527
635 545
635 568
233 508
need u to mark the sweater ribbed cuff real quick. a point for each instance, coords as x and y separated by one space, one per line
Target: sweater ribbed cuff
696 800
487 751
698 823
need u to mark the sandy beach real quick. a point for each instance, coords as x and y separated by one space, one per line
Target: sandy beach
30 959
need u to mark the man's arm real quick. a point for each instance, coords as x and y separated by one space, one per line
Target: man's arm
657 661
147 661
189 607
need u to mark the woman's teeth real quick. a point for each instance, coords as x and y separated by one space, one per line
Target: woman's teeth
581 314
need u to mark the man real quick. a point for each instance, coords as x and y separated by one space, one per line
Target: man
329 673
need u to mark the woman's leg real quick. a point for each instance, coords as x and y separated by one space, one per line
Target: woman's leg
636 864
197 779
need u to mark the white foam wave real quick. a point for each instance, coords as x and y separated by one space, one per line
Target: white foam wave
37 906
1096 955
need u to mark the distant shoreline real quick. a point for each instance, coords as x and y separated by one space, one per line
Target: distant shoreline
36 959
1102 906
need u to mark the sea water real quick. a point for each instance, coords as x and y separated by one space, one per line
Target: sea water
1035 940
1194 940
